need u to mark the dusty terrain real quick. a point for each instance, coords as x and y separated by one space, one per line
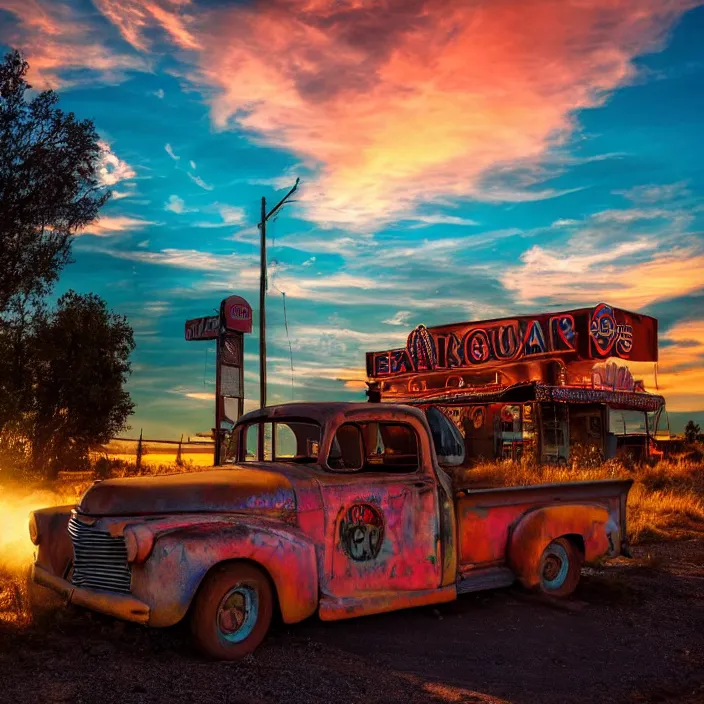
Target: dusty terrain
634 632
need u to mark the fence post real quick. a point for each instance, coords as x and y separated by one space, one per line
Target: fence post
179 459
138 463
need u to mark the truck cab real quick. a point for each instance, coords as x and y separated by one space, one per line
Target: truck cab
333 509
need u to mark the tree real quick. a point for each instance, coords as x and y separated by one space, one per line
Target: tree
691 431
61 373
49 187
81 364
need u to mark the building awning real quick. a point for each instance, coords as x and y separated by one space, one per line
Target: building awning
627 400
533 391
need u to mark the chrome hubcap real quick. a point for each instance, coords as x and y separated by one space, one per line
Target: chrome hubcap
237 613
555 566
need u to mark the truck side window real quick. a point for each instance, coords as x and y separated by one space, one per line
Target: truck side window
250 446
296 441
347 451
374 447
268 455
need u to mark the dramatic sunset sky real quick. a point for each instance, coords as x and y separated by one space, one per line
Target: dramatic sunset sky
460 159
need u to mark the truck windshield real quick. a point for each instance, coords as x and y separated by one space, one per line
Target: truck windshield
448 440
281 441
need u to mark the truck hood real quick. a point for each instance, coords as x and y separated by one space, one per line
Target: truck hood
217 491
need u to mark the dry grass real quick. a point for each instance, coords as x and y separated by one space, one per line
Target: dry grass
665 503
157 454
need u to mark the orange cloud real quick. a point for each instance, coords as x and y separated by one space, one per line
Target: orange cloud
412 100
134 19
574 277
107 225
55 38
681 367
392 104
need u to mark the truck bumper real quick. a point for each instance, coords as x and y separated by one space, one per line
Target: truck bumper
121 606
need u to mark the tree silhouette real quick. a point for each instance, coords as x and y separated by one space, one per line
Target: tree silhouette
49 187
81 364
62 371
691 431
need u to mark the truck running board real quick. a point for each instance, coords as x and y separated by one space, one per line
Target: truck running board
334 609
486 578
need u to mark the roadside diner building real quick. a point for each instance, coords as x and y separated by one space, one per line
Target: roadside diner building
555 385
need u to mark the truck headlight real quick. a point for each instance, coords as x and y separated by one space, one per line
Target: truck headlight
33 528
139 541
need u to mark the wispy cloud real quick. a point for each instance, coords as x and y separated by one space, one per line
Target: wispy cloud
229 215
111 169
655 193
194 260
331 287
567 275
135 19
170 151
633 215
200 395
340 342
680 375
118 195
347 246
232 215
159 93
200 182
58 40
423 220
400 318
112 224
177 205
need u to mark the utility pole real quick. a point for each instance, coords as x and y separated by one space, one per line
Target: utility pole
262 290
262 309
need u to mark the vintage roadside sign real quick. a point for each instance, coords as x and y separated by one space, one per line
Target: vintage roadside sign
203 328
237 314
227 330
584 334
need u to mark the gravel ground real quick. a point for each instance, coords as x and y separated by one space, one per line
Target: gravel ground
633 632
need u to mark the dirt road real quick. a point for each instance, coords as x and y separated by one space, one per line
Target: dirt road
634 632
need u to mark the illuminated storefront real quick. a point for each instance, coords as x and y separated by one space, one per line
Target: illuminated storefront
555 385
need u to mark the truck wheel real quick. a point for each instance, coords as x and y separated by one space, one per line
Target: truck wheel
560 568
232 611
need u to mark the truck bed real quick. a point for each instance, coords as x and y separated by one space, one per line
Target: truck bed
486 517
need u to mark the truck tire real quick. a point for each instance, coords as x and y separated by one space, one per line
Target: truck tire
560 568
232 611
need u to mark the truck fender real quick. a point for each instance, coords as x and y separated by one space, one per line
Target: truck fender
536 529
169 579
48 530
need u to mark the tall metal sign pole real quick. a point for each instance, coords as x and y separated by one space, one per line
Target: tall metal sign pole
262 290
227 329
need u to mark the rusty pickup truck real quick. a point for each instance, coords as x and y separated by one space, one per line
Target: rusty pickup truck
337 509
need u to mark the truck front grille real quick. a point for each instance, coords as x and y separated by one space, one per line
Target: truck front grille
99 559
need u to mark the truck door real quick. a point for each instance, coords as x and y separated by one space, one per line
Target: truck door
381 507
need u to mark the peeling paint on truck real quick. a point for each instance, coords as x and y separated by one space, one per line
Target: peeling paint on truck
391 533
